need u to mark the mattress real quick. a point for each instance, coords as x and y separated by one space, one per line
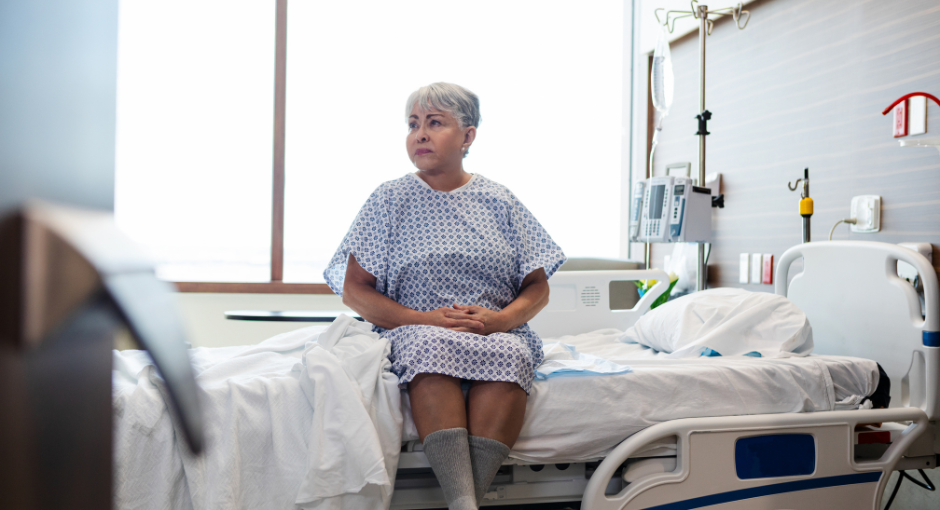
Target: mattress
568 418
581 418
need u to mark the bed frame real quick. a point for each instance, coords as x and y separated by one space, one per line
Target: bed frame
857 305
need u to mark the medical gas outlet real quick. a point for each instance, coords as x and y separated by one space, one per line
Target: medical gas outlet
806 203
671 210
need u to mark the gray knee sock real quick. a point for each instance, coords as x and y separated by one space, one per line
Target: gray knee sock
486 455
448 453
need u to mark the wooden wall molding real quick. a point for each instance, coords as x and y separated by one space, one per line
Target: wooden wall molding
253 288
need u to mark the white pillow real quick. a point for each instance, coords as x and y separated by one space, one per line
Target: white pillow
729 321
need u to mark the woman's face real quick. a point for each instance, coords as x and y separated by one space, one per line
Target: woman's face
435 141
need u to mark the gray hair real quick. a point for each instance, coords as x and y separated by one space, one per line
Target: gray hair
447 97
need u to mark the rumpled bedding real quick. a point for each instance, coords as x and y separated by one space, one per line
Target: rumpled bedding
307 419
314 419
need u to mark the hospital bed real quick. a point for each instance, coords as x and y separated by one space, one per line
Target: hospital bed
669 434
772 458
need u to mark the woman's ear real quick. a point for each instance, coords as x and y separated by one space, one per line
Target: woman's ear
470 135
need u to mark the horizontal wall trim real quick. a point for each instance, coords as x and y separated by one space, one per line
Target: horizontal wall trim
253 288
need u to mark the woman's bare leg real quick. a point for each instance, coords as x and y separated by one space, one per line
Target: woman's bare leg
439 411
437 403
495 410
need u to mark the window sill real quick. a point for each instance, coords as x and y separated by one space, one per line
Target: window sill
253 288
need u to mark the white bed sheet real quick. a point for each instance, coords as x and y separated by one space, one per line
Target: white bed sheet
302 420
580 418
257 404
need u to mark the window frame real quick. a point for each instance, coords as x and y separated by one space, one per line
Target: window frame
276 285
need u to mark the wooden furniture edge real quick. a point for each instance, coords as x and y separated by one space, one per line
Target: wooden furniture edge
253 288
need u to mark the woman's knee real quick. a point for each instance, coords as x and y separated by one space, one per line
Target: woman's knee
496 410
502 390
432 381
437 403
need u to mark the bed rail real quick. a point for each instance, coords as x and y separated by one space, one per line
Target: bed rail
707 472
859 306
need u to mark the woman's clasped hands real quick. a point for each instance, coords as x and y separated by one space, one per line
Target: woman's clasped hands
468 319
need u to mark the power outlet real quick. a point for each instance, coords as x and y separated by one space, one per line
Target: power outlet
866 211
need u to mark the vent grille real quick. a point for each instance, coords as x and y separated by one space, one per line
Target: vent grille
590 296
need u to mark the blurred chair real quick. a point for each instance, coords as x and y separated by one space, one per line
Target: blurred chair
70 282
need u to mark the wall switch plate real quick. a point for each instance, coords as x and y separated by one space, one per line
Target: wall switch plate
899 128
866 210
744 273
757 268
917 115
768 273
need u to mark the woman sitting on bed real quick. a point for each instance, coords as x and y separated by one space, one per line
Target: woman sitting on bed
449 266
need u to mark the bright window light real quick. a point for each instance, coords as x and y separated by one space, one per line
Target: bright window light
548 74
195 120
194 135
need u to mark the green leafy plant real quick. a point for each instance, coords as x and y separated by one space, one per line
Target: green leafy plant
645 285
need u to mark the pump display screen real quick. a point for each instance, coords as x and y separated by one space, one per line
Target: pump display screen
657 194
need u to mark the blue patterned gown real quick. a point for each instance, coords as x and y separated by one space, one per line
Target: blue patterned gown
430 249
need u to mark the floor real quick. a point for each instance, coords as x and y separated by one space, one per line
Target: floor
910 496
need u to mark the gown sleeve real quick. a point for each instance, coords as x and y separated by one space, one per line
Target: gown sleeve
534 247
368 241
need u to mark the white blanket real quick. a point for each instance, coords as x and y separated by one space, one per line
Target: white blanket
313 418
303 419
577 419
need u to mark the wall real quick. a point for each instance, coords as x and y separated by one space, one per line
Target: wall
58 76
203 313
804 86
207 327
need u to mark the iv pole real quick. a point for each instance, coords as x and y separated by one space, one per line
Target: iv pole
701 13
703 119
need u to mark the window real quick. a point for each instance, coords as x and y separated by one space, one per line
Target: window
195 169
193 162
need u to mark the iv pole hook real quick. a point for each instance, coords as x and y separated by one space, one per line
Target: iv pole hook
794 186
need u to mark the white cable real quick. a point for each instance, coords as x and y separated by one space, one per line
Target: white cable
850 221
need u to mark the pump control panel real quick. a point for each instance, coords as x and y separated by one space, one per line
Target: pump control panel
672 210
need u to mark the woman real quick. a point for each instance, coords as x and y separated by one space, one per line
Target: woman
449 266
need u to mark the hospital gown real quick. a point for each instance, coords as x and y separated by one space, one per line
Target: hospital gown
430 249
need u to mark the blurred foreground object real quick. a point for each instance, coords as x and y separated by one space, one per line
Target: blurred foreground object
70 282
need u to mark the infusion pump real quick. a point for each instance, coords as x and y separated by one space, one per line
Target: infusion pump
670 210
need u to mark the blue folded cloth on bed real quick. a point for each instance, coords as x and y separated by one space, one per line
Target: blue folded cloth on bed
709 353
565 360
